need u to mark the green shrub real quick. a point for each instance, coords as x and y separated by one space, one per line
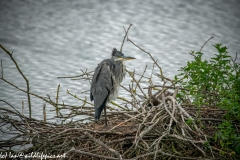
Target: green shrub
227 137
215 83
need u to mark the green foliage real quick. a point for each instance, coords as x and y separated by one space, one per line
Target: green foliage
214 82
189 121
227 137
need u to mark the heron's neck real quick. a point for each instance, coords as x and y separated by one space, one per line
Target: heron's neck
114 61
119 63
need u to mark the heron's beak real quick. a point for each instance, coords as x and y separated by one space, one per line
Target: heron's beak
125 58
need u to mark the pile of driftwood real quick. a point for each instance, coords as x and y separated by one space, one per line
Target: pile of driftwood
149 124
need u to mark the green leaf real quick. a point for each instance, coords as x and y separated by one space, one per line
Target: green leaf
223 49
217 46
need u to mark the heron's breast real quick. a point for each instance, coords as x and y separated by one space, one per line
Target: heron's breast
117 75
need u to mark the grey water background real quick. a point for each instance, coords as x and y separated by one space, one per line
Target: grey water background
58 38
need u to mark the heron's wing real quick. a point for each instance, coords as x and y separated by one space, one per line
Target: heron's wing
102 83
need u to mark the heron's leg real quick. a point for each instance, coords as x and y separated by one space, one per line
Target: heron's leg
105 114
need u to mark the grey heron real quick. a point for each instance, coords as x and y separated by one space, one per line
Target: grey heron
106 80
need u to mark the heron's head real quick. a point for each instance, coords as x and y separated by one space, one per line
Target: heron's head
118 56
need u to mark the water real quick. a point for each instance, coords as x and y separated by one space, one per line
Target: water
58 38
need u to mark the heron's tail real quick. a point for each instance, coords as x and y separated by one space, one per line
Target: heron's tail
98 110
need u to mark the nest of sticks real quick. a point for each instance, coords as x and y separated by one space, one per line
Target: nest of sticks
165 130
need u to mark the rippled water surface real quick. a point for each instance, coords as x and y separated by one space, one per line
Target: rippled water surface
58 38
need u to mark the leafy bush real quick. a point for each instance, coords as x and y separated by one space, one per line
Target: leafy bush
227 137
216 83
213 82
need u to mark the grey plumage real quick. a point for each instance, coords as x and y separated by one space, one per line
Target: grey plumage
106 81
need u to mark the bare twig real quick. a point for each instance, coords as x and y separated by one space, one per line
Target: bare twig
125 36
57 100
91 154
234 58
205 43
19 70
44 113
104 145
1 69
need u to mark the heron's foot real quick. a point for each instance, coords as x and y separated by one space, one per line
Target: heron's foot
107 127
